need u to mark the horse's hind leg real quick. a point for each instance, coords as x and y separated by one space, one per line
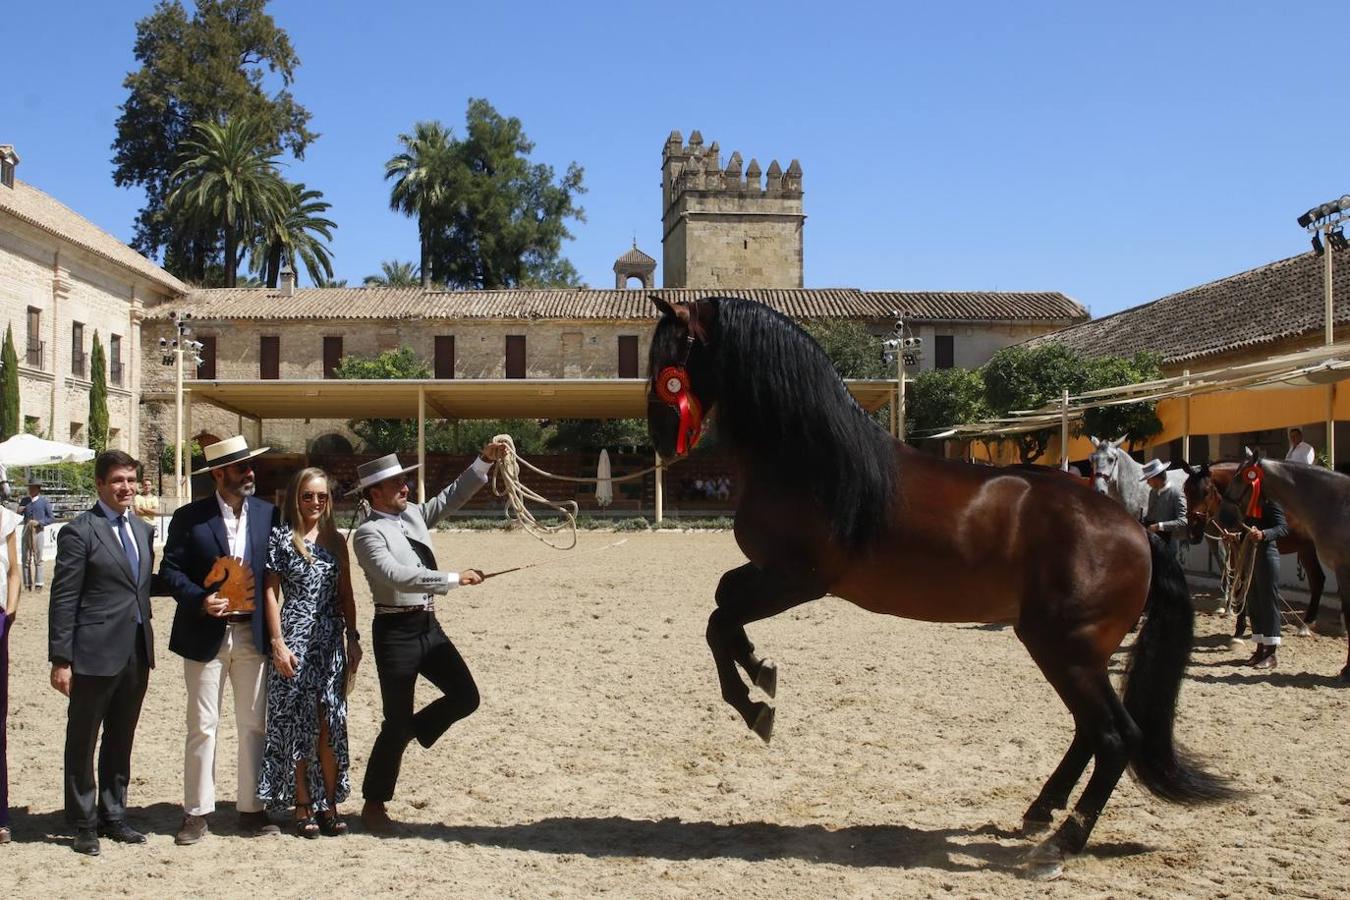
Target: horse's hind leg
1103 730
748 594
1317 581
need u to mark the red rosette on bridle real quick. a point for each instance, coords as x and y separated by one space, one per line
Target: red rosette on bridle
672 386
1253 476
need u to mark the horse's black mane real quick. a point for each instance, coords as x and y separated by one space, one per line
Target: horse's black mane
784 406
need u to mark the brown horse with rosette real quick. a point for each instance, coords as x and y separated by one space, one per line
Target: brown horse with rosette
831 503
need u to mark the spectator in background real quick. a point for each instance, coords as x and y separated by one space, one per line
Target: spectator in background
1299 449
37 515
146 506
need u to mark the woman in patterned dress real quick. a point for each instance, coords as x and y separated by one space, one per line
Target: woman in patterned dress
305 758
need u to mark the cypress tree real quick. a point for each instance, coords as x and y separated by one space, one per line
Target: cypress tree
9 387
98 398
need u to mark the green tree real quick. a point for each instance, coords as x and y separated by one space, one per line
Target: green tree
227 60
469 435
393 274
391 435
1020 377
98 398
9 389
422 175
228 181
504 218
592 435
1137 420
855 351
943 397
330 282
301 234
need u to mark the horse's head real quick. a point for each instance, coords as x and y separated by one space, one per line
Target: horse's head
1242 496
1104 459
1202 500
682 386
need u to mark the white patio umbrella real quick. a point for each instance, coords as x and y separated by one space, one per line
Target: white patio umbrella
604 487
31 450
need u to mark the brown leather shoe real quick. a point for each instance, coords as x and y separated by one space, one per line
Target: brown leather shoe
256 824
375 819
1266 662
191 831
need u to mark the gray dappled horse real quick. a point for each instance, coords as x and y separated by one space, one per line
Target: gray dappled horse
1116 474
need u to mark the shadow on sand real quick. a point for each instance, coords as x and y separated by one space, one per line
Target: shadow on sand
892 846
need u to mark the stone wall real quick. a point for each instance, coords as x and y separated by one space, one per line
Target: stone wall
70 285
553 349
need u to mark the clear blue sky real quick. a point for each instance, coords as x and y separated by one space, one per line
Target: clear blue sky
1114 152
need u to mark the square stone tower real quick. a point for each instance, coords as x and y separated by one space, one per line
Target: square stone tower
725 229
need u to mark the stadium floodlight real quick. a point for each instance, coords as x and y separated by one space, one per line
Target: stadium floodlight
1336 238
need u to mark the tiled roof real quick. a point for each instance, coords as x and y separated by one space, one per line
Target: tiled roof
1280 300
40 210
413 303
635 256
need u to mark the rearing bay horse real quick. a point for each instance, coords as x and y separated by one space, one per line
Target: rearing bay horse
831 503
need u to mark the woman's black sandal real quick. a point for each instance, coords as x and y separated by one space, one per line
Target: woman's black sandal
307 827
330 824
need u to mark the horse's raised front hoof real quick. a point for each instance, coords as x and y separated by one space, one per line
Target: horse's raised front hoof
766 679
763 724
1044 862
1236 643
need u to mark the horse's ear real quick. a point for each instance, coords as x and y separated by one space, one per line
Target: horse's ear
1248 452
1122 439
1187 468
662 306
1093 438
702 315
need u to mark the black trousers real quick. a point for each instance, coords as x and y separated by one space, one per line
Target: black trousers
407 645
113 704
1263 599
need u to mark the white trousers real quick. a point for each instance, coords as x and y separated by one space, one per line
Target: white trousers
239 662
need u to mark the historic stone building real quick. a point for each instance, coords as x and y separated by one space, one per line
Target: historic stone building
722 228
63 280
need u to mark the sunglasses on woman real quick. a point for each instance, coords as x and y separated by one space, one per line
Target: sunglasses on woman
311 497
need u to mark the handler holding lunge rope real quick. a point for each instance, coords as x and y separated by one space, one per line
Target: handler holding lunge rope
1265 524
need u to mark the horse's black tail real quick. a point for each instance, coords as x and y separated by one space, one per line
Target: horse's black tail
1157 664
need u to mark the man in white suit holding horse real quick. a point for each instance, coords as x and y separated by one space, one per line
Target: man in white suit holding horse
393 548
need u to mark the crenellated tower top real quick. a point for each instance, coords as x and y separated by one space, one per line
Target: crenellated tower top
728 224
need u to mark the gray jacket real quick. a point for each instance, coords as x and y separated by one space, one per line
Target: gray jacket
396 574
1167 507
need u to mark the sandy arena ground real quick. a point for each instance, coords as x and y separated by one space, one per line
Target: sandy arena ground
603 760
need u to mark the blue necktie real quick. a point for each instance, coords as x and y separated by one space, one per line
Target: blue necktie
133 557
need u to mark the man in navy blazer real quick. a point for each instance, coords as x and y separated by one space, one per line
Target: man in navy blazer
102 649
217 645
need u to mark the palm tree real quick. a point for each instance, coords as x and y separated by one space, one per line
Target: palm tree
300 233
228 180
423 178
331 282
394 274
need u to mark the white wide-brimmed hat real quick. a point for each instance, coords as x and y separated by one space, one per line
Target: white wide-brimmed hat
227 453
378 470
1152 469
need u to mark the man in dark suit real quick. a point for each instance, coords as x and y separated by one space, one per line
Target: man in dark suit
102 648
217 644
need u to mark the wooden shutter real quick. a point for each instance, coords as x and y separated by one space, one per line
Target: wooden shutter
207 370
944 356
332 356
445 356
269 356
628 356
515 356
